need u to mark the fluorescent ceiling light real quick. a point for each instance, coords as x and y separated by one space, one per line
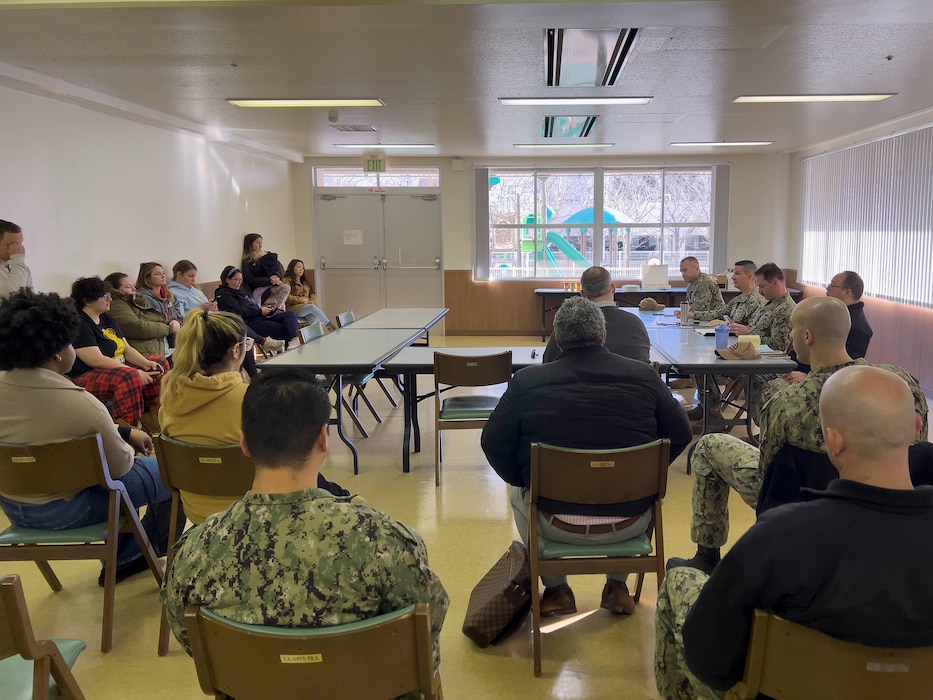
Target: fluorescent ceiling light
307 103
563 145
722 143
536 101
377 146
813 98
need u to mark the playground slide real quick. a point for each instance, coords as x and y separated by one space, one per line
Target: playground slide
566 247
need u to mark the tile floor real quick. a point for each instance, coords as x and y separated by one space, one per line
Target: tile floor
466 524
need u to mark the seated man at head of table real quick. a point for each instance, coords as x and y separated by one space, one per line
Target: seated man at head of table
625 333
790 434
816 563
589 398
290 554
740 309
847 287
703 293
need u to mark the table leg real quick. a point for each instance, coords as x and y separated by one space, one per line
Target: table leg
346 441
410 404
543 317
750 403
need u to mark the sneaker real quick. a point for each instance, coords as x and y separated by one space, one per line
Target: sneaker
273 345
558 600
617 599
330 326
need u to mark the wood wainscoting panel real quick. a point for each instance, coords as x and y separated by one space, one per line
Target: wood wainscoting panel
480 307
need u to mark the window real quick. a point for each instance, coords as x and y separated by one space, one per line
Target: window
393 177
868 208
554 223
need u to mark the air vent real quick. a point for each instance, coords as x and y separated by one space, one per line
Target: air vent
352 127
568 127
586 57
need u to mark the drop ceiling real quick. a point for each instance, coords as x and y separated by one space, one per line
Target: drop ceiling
440 69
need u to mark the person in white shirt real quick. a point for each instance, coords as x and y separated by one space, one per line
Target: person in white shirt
14 274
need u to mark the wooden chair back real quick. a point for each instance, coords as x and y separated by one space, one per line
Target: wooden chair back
207 470
631 475
71 466
472 370
324 662
788 661
599 477
18 639
345 318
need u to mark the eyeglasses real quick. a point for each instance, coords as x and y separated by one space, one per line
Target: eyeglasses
106 295
247 343
836 286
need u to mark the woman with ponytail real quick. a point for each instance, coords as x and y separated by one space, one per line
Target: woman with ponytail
202 395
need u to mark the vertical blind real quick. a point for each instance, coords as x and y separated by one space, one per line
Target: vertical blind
869 208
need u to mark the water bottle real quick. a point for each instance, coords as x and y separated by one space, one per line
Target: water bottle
685 314
722 336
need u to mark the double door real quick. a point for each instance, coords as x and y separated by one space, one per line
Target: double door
378 250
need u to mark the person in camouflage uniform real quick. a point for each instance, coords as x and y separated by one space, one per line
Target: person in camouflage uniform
740 309
702 291
720 462
289 554
800 561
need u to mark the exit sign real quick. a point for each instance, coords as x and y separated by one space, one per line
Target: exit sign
375 165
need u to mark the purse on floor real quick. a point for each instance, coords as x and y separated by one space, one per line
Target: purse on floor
501 600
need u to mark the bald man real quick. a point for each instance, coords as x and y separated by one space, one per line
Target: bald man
703 293
791 440
816 563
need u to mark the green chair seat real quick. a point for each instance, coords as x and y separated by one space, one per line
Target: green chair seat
468 407
16 672
637 546
29 535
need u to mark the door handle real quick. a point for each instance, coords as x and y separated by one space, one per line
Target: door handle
375 263
385 264
323 263
437 263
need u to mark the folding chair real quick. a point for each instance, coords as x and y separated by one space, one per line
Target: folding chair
596 477
49 674
207 470
345 319
465 412
789 661
312 332
253 662
63 467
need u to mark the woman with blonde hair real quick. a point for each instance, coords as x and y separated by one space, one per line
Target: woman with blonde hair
203 392
202 395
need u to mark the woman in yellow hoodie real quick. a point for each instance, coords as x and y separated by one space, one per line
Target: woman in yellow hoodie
202 395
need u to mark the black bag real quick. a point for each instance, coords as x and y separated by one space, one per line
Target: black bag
501 600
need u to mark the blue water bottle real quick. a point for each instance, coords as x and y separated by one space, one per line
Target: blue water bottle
722 336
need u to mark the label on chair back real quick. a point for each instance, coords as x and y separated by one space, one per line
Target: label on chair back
210 460
22 460
301 658
605 464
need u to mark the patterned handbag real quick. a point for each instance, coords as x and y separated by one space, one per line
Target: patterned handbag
501 600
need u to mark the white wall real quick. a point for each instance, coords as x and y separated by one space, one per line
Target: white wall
96 193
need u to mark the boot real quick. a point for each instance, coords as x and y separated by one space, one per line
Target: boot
706 559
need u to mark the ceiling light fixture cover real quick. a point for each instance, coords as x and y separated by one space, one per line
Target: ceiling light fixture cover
586 57
722 143
568 127
369 102
548 101
747 99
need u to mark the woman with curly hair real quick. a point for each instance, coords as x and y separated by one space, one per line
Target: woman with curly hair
301 299
108 366
38 404
142 323
152 283
202 396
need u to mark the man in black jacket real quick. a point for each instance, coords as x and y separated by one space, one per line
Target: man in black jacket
625 333
816 563
589 398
